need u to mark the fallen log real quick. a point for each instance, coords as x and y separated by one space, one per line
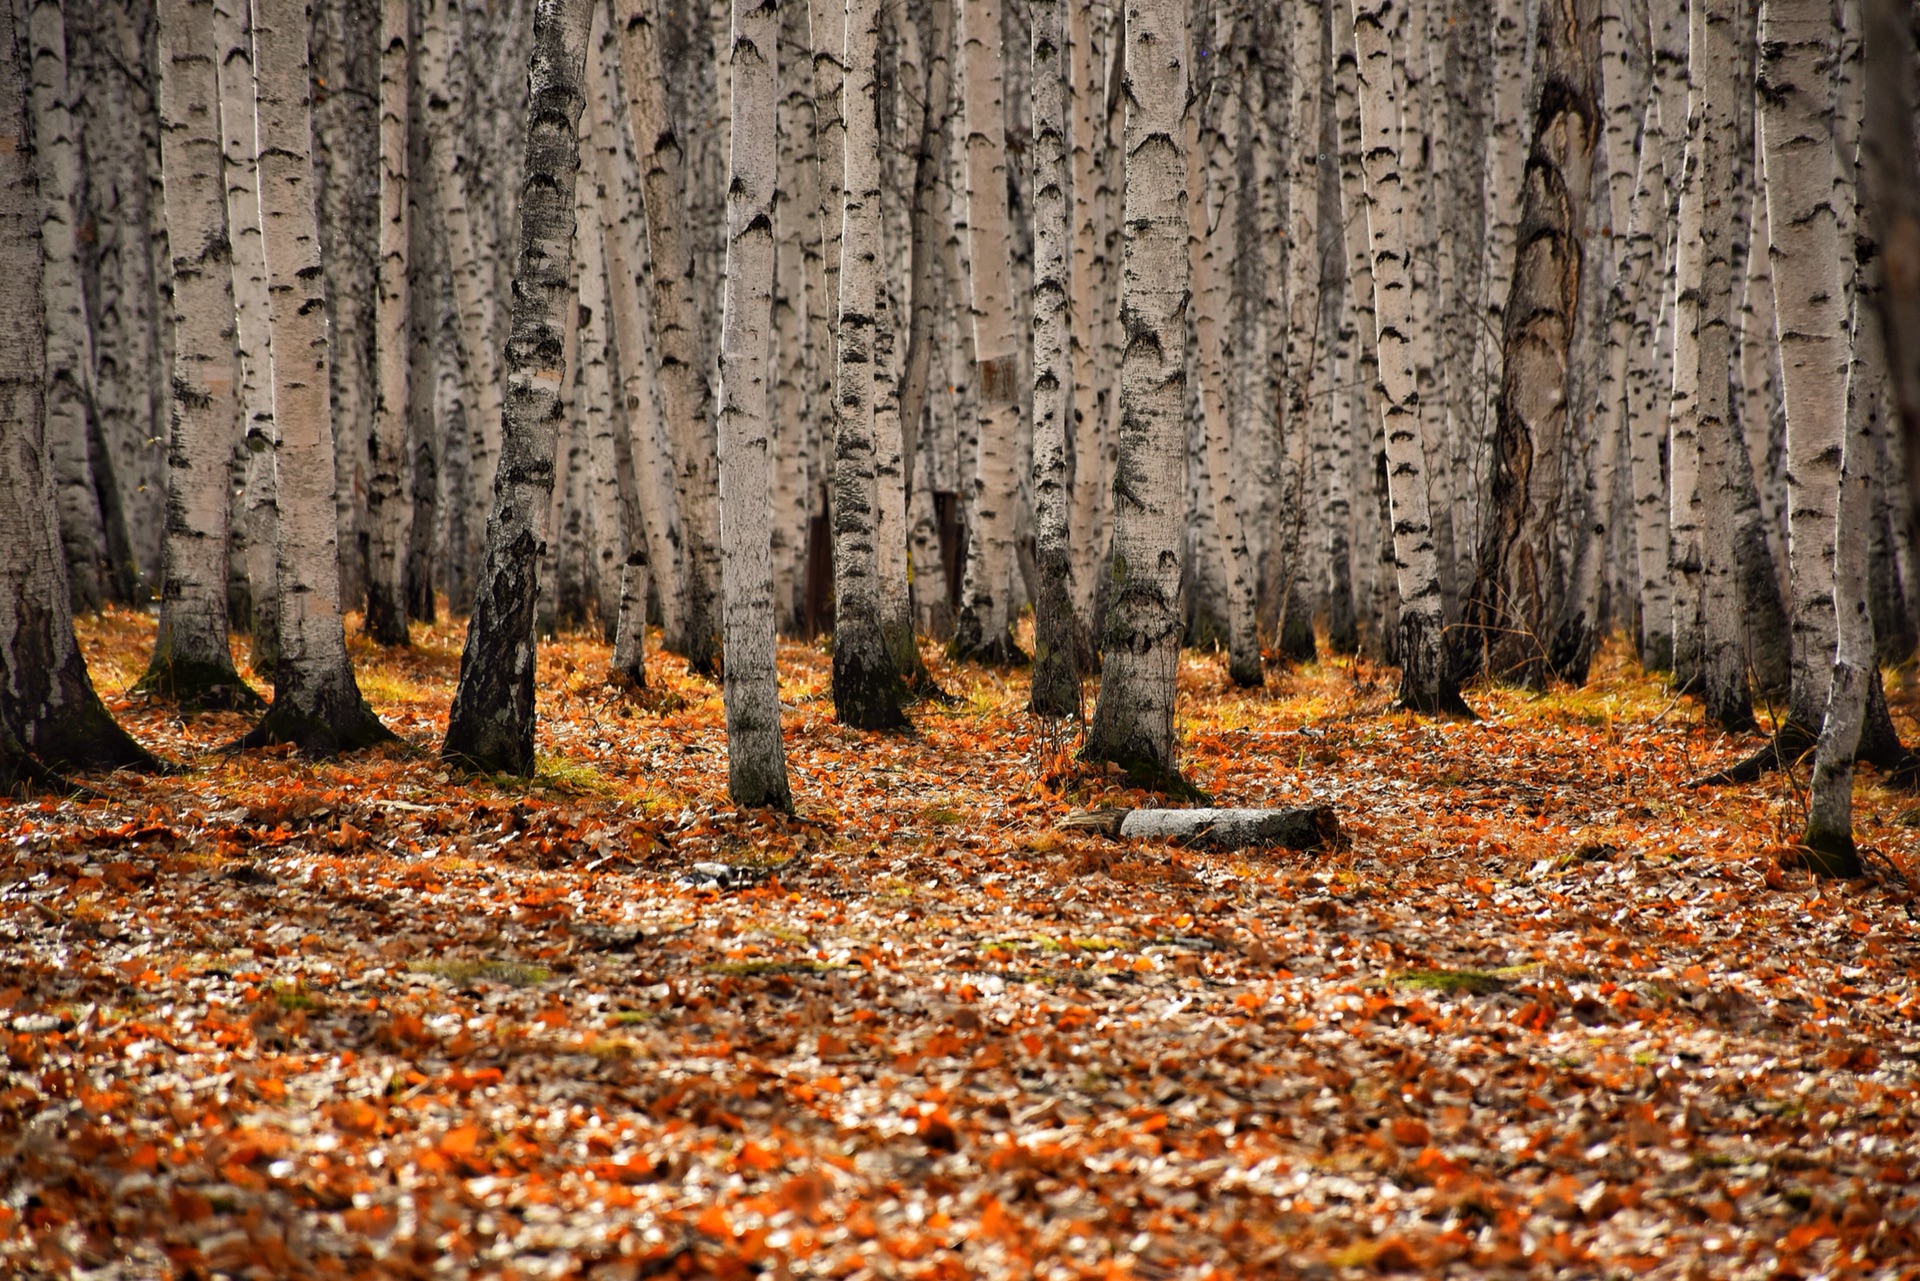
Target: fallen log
1302 828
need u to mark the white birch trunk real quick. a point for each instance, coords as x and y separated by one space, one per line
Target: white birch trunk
471 267
389 490
1723 654
1506 161
1646 401
1087 93
233 65
316 702
984 630
1809 279
686 398
756 760
1829 833
826 25
1056 668
1426 683
866 686
68 338
654 548
1683 437
491 726
191 659
47 704
1211 245
1140 644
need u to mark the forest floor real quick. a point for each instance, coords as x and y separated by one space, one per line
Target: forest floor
1551 1013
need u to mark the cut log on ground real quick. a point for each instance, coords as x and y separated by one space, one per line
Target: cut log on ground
1304 828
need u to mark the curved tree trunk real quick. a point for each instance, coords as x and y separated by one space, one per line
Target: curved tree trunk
1829 832
686 398
756 759
1056 647
866 686
316 703
1519 592
50 717
192 662
389 509
1427 683
1140 642
1796 126
491 725
68 337
984 630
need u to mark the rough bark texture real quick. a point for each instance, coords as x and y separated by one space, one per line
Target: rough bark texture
491 725
389 493
1304 828
686 398
1796 126
756 759
316 703
1519 592
50 717
1140 641
1829 833
984 628
1056 646
1646 404
866 685
253 341
191 659
1427 682
459 208
1210 245
68 337
1723 654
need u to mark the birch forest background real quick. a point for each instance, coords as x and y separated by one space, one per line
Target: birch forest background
855 636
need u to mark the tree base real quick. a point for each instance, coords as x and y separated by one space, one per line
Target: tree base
1446 702
386 621
867 693
971 644
199 687
1150 775
1788 746
1297 644
322 733
1831 853
1246 671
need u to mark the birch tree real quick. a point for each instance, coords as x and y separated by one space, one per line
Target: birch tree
866 685
984 629
490 727
316 702
389 511
756 758
192 662
1519 592
252 334
686 398
1802 192
68 337
50 717
1140 644
1723 656
1056 646
1427 683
